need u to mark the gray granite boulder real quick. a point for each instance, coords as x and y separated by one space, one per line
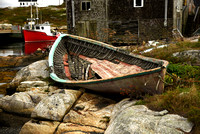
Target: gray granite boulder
39 127
33 72
33 85
21 103
55 106
140 120
91 110
72 128
191 54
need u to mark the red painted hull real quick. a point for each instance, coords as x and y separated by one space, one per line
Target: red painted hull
36 36
31 47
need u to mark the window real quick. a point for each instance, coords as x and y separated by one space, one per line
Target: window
138 3
37 27
42 28
27 27
85 5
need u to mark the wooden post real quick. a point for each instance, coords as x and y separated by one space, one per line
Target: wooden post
181 15
73 14
166 7
174 15
107 27
66 2
177 14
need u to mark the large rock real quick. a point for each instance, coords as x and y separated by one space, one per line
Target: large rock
71 128
21 103
121 106
35 85
54 107
39 127
91 110
139 119
35 71
191 54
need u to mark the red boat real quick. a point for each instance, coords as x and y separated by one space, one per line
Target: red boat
35 32
39 32
31 47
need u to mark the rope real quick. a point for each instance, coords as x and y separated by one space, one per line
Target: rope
164 81
158 84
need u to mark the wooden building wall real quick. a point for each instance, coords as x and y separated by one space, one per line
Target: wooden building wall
92 23
145 22
118 21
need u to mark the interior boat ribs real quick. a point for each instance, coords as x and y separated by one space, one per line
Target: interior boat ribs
82 62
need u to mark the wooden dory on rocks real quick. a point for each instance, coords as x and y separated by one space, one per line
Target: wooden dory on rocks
94 65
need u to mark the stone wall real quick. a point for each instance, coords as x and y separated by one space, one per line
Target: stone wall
152 29
146 22
119 21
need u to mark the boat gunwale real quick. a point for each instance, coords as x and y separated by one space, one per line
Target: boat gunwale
56 78
29 30
148 59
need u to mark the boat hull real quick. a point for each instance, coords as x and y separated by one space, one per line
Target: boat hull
146 82
150 80
36 36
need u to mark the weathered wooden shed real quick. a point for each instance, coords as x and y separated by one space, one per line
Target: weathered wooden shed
126 21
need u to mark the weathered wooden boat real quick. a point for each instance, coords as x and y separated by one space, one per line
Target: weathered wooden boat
94 65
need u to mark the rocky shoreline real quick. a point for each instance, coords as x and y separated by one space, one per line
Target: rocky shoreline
46 107
10 65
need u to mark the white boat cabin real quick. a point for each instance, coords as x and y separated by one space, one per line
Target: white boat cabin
45 27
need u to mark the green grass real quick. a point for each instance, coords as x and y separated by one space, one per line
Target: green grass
182 101
166 53
182 96
184 71
18 16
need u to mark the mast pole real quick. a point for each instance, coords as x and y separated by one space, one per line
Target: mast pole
37 14
31 14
